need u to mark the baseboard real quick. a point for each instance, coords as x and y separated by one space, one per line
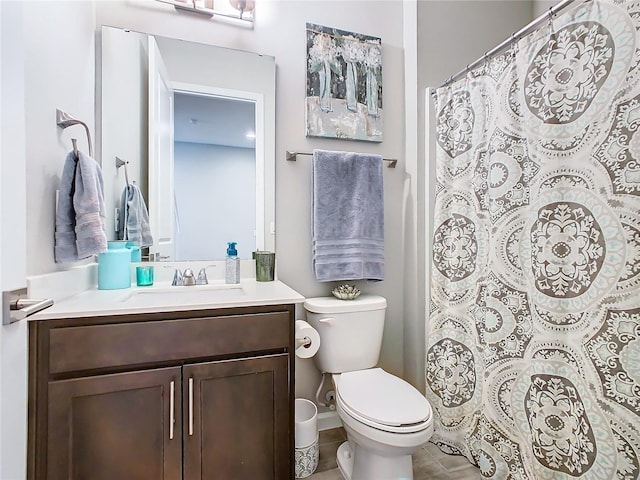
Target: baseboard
328 420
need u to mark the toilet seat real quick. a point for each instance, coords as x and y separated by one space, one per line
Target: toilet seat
383 401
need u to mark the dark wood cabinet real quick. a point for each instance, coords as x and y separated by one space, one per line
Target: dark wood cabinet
237 425
115 426
201 395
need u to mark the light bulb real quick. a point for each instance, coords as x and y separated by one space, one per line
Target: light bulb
243 5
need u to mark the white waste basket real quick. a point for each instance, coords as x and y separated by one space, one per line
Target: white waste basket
306 437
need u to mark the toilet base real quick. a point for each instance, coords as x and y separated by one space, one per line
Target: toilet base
344 459
368 465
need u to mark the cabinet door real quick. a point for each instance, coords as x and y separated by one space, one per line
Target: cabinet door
236 423
116 427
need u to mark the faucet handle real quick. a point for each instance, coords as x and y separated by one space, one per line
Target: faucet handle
202 276
178 279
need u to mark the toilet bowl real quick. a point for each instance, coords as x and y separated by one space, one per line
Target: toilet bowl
386 419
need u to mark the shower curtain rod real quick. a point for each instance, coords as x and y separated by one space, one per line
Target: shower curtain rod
523 32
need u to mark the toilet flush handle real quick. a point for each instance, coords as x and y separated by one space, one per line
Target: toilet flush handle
328 320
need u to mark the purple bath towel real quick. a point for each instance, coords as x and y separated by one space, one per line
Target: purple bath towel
348 216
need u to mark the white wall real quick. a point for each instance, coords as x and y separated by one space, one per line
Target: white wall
59 73
215 191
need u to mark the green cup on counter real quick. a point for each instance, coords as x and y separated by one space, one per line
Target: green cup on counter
265 266
144 276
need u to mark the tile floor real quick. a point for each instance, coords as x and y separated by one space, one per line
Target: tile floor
429 463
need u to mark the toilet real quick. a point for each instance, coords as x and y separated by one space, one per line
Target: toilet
386 419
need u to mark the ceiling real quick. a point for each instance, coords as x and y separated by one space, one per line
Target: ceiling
213 120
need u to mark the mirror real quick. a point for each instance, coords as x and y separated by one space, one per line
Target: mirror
196 125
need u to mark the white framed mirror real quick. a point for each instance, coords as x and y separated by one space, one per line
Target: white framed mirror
207 169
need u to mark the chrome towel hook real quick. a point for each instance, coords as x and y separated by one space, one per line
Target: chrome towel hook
64 120
123 163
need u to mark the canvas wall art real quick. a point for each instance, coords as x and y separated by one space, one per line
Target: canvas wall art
344 84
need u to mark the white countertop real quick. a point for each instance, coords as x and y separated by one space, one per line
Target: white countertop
162 297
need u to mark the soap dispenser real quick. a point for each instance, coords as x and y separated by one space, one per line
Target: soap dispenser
232 264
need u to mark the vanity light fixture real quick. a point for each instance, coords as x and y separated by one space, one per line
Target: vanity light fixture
238 12
243 5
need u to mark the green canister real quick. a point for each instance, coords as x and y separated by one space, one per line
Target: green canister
265 266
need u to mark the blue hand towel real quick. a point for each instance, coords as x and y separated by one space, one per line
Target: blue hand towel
80 214
135 223
348 216
65 236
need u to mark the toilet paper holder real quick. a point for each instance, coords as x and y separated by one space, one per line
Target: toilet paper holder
303 342
307 340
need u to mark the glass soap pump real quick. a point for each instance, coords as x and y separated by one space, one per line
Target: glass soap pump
232 264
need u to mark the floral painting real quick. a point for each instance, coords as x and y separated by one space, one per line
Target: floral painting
344 84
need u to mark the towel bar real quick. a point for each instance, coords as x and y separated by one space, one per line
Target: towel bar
291 157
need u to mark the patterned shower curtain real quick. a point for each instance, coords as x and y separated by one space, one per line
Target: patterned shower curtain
533 338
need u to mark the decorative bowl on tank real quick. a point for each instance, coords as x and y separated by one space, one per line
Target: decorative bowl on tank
345 292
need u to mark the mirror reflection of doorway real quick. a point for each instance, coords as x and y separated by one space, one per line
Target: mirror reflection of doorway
214 175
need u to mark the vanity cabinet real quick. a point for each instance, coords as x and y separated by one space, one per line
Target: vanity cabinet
113 426
192 395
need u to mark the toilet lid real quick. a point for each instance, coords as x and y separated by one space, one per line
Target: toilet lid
382 398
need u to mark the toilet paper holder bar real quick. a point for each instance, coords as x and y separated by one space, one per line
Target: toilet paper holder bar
303 342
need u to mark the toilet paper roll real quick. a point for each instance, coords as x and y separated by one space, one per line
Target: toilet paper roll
307 340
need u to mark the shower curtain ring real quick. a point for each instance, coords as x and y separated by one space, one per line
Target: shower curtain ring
551 14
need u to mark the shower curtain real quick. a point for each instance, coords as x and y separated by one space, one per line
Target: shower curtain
533 337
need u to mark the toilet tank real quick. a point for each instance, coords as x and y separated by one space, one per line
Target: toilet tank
350 331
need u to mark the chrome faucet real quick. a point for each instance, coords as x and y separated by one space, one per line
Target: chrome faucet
183 279
178 279
188 278
202 276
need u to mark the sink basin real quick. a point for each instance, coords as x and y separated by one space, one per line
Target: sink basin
196 294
